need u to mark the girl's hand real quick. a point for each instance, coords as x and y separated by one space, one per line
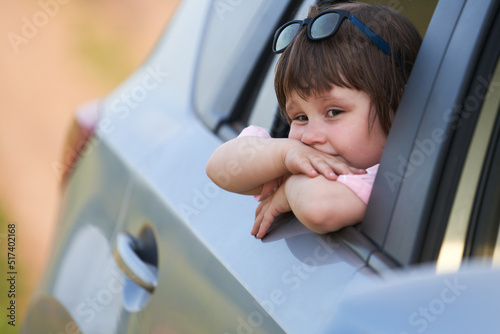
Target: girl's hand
270 208
303 159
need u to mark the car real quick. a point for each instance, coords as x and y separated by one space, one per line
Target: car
147 243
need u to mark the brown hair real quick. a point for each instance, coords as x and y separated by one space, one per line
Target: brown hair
349 59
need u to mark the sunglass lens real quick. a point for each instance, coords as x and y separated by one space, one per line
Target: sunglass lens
324 25
286 36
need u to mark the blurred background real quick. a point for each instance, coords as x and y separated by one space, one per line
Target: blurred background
55 55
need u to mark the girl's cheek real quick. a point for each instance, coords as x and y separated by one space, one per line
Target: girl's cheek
295 132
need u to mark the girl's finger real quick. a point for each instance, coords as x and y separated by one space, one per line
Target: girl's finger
305 167
323 168
340 168
259 209
258 219
263 220
264 227
357 170
255 228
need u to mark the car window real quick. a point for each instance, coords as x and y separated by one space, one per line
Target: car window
236 33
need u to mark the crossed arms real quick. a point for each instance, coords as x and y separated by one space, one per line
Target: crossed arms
304 179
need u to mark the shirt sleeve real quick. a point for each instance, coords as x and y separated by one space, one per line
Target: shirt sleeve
360 184
254 131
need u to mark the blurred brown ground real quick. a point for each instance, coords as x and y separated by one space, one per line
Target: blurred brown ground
81 51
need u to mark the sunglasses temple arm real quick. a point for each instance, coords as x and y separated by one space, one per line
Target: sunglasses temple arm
375 38
370 34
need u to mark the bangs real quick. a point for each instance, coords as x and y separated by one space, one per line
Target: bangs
315 67
312 71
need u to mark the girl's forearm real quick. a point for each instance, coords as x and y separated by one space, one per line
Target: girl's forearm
323 205
244 164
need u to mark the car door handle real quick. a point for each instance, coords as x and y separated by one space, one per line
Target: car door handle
125 254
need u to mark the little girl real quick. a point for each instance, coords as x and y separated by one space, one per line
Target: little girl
338 83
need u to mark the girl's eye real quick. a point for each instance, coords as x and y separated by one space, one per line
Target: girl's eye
334 112
300 118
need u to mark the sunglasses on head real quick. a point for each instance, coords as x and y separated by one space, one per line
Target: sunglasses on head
322 26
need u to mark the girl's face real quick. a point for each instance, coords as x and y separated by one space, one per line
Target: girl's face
338 123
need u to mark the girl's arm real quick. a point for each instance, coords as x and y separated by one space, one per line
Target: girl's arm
244 164
318 203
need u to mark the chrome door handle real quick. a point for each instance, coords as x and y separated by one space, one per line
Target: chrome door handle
132 265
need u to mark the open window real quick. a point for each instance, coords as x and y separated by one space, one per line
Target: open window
234 58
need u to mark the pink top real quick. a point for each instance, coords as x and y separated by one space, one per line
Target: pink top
360 184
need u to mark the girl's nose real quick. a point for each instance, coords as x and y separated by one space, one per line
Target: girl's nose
313 134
